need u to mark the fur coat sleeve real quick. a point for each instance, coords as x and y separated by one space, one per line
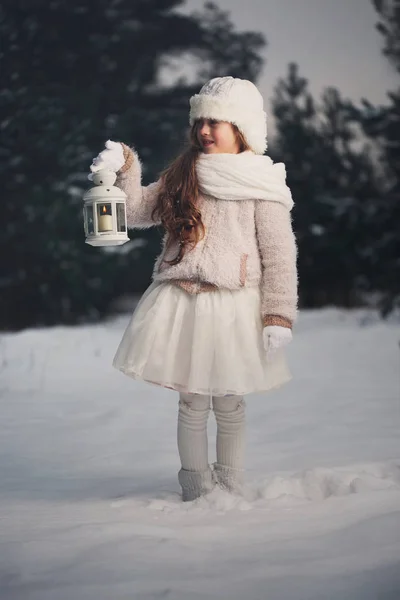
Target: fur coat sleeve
277 246
141 200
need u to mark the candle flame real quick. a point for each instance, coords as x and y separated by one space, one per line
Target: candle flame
104 209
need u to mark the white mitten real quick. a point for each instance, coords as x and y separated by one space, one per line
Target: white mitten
275 337
112 159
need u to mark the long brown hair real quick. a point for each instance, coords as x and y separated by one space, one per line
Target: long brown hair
176 206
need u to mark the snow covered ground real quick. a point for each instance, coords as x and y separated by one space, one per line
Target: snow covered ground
89 503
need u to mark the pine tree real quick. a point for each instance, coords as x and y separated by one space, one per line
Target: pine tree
382 124
348 179
332 179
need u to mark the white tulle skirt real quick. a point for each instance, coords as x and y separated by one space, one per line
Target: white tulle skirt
208 343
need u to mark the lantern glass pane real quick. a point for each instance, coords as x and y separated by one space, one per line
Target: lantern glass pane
89 220
104 217
121 225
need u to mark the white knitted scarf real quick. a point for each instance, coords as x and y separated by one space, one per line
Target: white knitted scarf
244 176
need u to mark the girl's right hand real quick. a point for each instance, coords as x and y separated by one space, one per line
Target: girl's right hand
112 159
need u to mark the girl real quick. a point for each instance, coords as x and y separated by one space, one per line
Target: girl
214 321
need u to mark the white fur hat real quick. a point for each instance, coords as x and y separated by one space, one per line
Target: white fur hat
237 101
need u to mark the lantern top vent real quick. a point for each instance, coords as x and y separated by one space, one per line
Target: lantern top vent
104 177
104 186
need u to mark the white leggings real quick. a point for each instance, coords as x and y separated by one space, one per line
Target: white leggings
192 431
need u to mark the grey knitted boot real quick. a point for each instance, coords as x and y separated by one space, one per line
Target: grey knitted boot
228 478
195 483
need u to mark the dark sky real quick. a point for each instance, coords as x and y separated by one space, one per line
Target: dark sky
333 41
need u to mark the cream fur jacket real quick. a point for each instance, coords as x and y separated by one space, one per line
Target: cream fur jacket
246 243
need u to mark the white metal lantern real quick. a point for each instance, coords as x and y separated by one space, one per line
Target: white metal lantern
104 211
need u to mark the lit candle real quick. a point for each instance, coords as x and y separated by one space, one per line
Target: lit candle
104 220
